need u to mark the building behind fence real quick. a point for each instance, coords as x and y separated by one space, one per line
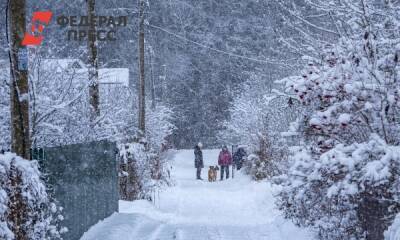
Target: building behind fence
83 179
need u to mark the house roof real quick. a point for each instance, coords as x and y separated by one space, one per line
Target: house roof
106 75
114 76
63 63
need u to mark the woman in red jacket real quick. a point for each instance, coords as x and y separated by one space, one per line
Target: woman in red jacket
224 160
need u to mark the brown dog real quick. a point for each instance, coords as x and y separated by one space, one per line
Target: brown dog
211 174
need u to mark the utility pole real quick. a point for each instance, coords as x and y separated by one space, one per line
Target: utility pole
19 88
153 90
163 80
19 109
141 95
94 95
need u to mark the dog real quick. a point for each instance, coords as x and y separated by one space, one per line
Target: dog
211 174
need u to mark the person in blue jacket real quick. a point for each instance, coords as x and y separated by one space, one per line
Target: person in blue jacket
238 157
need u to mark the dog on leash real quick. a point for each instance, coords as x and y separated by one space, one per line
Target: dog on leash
212 173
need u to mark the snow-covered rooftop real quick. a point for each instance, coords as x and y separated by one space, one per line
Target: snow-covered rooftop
62 64
106 75
114 76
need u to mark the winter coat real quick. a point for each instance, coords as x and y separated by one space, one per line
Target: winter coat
238 157
225 158
198 158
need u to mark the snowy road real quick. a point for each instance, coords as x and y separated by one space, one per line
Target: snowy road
198 210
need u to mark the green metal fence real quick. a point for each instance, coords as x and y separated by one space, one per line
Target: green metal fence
84 180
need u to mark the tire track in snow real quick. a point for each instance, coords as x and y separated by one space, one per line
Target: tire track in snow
156 233
178 235
248 236
135 230
143 230
215 234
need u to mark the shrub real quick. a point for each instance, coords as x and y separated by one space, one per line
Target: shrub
26 211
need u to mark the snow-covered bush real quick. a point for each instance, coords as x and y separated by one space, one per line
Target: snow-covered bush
143 163
258 116
255 167
347 192
393 232
269 160
344 176
134 172
26 211
141 171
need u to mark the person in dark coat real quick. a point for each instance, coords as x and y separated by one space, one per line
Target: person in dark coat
238 157
224 160
198 160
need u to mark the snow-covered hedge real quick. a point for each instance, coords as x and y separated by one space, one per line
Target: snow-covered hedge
25 207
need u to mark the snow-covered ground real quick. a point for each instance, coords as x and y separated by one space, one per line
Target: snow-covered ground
197 210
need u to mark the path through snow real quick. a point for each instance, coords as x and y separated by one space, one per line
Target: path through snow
198 210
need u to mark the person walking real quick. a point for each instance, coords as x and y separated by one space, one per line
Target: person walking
198 160
238 157
224 160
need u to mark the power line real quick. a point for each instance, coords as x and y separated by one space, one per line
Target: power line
215 49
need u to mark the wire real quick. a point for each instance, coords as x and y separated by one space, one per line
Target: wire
215 49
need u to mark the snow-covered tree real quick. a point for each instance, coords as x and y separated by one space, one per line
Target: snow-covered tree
160 126
247 117
5 133
344 177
